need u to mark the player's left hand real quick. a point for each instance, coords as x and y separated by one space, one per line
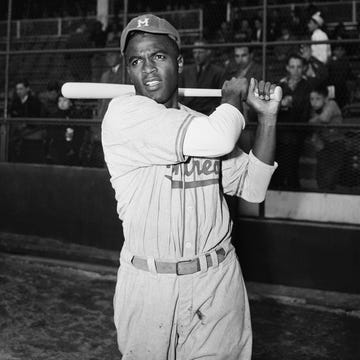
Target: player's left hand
264 98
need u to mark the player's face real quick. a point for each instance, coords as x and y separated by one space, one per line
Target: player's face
317 100
153 65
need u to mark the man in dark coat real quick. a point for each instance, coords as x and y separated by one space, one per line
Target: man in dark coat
27 142
202 74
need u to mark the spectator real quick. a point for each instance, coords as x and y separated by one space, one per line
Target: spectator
98 40
112 75
283 51
244 33
49 102
244 66
64 140
257 35
91 149
98 35
295 108
202 74
296 23
321 52
27 142
328 142
79 63
341 75
49 99
224 34
340 32
274 27
315 71
113 31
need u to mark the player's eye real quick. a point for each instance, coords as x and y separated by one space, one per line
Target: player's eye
159 57
134 62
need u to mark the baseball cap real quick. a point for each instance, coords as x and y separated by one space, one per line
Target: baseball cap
318 19
149 23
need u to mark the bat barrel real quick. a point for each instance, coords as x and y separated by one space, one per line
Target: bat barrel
87 90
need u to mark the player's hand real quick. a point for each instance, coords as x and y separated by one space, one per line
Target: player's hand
234 91
264 98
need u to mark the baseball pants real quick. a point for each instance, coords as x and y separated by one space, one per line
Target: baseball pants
204 315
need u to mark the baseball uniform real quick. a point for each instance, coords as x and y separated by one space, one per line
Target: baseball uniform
173 209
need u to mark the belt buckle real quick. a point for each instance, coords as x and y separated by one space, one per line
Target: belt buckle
182 263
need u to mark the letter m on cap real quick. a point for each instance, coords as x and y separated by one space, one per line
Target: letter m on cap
143 22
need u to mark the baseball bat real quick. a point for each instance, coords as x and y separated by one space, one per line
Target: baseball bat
88 90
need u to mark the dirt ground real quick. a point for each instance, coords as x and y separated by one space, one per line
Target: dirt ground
61 311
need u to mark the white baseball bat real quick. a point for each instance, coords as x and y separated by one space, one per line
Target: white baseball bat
88 90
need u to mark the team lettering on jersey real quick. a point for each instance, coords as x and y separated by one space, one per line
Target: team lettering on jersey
196 173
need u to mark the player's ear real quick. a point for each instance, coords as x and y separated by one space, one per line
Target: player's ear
180 61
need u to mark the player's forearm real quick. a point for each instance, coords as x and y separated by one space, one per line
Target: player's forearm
257 179
215 135
265 140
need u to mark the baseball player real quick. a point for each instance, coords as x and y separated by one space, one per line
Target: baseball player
180 293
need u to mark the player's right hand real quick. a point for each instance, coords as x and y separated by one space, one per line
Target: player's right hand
234 91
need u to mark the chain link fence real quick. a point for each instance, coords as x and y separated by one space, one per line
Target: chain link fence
50 52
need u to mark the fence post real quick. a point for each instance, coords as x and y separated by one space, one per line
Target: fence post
18 29
4 126
354 13
264 40
59 27
201 22
125 20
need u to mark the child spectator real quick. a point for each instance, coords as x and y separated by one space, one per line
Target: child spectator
328 141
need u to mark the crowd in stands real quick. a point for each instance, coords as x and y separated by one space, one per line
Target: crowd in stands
317 83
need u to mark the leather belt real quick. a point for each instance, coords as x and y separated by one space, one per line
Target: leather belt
185 267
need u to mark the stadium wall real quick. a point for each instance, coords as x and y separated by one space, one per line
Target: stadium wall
68 203
77 205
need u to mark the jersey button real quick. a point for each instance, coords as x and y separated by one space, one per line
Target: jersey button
188 245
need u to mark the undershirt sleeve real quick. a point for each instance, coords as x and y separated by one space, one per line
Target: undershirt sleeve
214 135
